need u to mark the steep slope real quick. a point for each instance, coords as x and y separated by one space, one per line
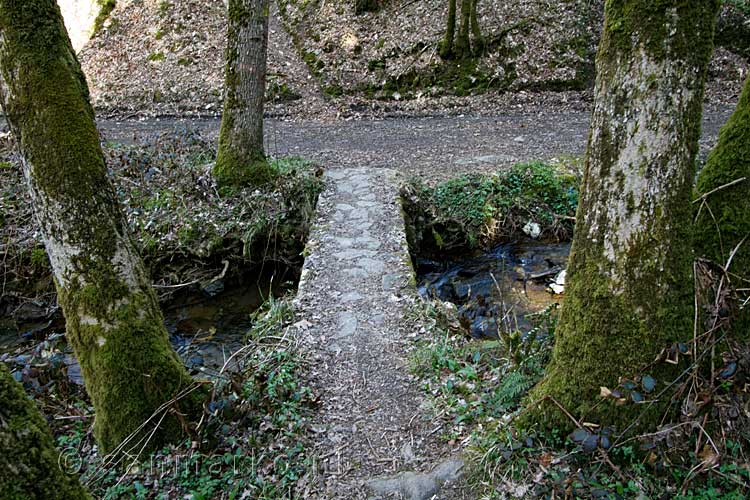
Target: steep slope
165 57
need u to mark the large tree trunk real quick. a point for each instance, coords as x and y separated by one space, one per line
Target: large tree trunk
630 286
446 47
30 466
113 319
241 160
724 221
722 226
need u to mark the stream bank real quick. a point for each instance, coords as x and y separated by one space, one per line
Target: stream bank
495 246
191 239
213 260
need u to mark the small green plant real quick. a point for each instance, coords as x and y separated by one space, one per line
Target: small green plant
156 56
39 258
473 382
741 5
164 7
105 9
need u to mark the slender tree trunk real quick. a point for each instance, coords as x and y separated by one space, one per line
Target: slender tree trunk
446 48
476 31
463 44
30 466
113 320
630 285
725 220
241 160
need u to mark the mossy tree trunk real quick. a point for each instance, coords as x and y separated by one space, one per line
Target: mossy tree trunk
725 220
469 41
722 225
446 47
463 42
30 466
113 319
476 30
364 6
630 285
241 160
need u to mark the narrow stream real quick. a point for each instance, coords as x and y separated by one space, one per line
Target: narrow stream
500 288
204 330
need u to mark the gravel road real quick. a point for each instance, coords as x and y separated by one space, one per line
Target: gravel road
433 147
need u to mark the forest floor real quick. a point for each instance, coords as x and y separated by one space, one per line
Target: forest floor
372 429
166 58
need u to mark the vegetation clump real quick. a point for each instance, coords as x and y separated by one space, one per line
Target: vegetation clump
105 9
479 391
476 211
469 382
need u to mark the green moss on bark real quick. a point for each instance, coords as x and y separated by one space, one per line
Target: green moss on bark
128 366
723 218
114 323
446 46
629 291
630 23
29 462
239 162
726 219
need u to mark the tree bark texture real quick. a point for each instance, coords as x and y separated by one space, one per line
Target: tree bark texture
463 42
476 30
630 287
113 319
241 160
469 41
724 221
29 462
446 48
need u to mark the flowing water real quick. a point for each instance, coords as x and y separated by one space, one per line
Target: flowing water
500 288
205 329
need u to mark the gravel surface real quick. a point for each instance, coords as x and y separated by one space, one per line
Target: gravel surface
431 147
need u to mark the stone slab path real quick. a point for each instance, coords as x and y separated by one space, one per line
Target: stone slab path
374 436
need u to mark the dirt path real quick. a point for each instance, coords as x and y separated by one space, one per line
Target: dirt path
432 147
372 421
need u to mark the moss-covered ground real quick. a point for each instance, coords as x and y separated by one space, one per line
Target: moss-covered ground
476 211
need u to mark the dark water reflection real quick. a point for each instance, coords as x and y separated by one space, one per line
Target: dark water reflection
499 288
